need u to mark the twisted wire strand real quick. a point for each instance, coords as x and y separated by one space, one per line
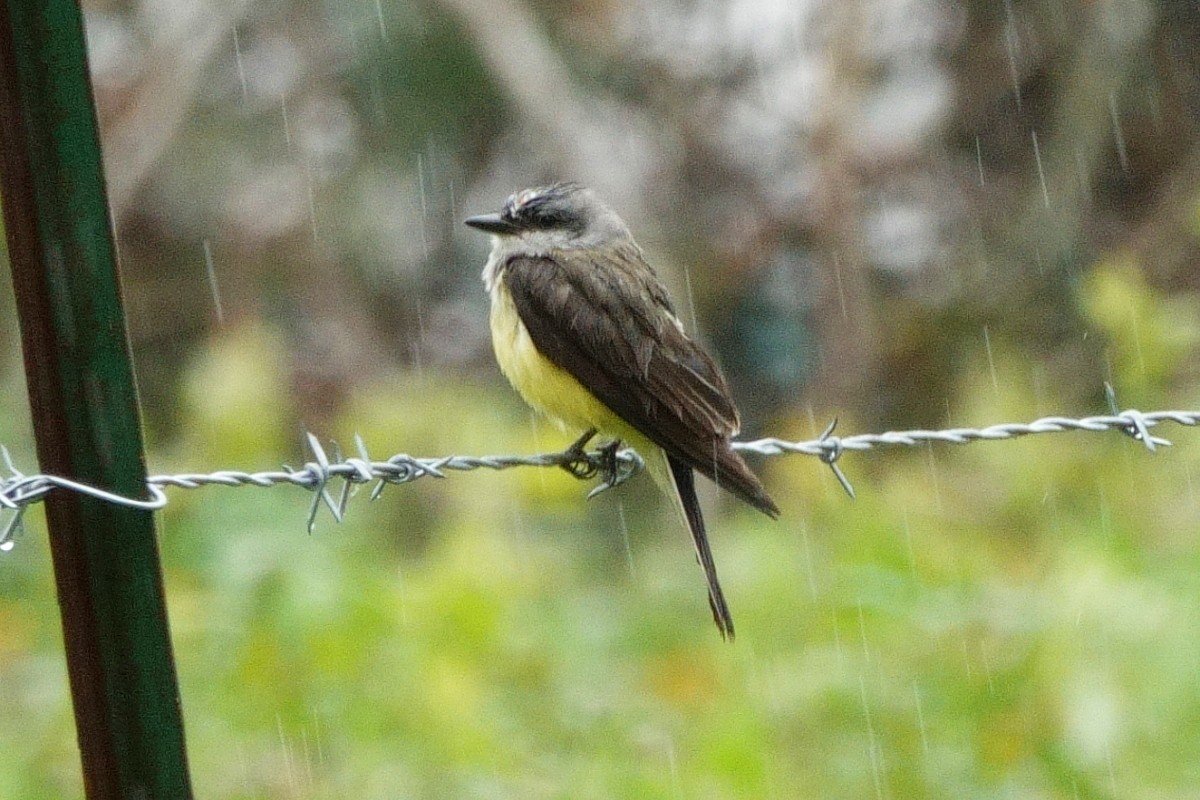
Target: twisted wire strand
326 476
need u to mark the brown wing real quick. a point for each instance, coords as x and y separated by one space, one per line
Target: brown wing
612 327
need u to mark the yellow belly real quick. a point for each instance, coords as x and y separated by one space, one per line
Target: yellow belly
554 392
549 389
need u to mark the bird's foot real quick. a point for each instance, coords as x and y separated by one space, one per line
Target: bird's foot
576 460
613 466
609 467
612 469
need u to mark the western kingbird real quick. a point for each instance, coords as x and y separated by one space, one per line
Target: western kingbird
584 330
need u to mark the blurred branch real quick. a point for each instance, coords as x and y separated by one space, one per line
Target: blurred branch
585 136
140 132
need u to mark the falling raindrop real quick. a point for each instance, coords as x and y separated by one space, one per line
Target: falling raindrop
1105 514
400 597
837 642
312 200
872 744
837 274
979 159
383 34
691 297
424 204
987 671
241 68
935 478
1012 43
287 126
1137 343
921 719
912 558
987 345
318 738
417 352
625 536
862 632
676 789
288 770
1122 155
1037 154
212 282
308 773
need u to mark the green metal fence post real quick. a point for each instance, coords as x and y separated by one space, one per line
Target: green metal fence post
84 405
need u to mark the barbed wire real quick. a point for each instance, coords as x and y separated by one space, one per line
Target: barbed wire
332 480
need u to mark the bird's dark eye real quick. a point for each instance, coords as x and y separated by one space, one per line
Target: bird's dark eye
538 213
543 210
551 218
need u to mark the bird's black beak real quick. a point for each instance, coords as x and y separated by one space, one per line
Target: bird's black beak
492 223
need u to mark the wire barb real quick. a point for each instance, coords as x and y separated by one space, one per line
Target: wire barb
831 452
613 464
1137 428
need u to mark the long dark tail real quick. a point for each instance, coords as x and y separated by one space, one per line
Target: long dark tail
685 486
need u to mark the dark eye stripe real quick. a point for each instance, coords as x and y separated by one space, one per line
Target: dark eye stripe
540 211
548 218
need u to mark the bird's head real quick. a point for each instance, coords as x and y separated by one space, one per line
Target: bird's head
557 217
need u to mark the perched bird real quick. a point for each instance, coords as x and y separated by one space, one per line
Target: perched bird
584 330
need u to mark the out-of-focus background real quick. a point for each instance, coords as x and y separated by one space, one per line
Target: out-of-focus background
898 213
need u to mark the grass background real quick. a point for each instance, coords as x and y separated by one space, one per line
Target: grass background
1013 619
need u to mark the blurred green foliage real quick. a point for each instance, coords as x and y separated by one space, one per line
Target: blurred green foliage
1010 619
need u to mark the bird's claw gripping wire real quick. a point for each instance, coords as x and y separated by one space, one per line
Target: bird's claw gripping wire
609 461
575 459
615 466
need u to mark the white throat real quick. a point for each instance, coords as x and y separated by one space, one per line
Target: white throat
530 243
